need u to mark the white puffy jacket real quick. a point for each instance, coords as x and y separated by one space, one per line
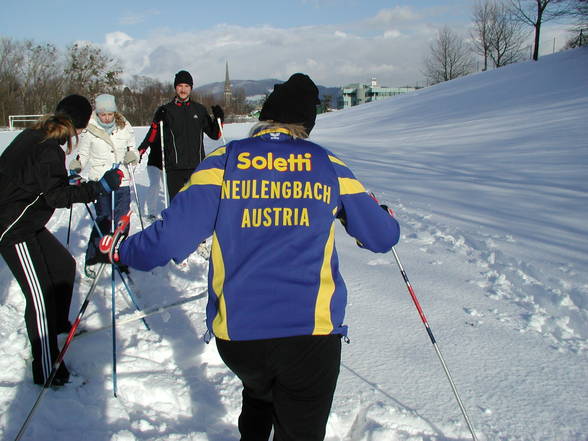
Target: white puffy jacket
98 150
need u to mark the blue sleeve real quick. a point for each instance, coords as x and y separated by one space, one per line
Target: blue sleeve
372 227
189 220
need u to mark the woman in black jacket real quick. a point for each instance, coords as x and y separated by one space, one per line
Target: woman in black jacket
33 183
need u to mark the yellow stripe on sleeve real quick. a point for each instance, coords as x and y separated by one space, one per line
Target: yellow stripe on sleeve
209 176
218 152
219 324
322 313
337 161
350 186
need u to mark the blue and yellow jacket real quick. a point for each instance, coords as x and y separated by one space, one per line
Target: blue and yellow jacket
270 203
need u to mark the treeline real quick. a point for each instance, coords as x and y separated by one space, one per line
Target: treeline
35 76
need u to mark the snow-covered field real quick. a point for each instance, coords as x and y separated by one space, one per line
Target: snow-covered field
488 175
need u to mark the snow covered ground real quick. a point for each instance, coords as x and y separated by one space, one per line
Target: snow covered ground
488 175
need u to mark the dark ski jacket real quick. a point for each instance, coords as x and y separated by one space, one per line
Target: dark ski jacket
33 183
271 203
184 125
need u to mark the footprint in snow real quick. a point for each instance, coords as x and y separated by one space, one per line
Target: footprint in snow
379 261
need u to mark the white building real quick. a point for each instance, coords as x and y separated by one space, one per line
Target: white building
354 94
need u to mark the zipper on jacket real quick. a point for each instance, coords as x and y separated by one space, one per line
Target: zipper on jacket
174 144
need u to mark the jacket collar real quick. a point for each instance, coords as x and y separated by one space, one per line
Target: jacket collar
278 134
181 103
95 129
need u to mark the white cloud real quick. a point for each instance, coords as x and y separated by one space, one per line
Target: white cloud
333 55
392 33
394 16
117 39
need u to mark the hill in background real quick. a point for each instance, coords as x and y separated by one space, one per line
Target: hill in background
257 89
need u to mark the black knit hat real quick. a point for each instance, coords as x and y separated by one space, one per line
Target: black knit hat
183 77
77 108
292 102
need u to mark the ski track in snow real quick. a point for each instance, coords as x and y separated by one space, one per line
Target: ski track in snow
552 306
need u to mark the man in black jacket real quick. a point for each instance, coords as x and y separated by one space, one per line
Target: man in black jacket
184 123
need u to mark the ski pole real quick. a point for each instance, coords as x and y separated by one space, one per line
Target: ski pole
127 287
69 224
220 127
113 298
145 313
61 355
432 337
71 173
164 174
134 184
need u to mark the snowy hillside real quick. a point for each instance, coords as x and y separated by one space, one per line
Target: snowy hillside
488 175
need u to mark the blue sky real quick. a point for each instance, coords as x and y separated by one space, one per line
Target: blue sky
62 21
335 41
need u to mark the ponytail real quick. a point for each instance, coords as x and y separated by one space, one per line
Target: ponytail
58 126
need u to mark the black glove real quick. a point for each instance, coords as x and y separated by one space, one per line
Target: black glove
160 114
388 210
217 112
383 206
109 244
111 180
142 150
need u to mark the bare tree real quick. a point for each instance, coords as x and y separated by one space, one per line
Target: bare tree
579 13
536 12
139 100
507 37
40 74
495 34
10 59
239 103
579 10
480 32
449 57
89 71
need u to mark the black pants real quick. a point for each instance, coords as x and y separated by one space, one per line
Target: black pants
175 181
45 271
287 382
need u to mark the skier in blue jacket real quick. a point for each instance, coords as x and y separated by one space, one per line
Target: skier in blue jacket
276 298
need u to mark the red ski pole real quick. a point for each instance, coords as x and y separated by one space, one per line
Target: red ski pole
59 358
432 337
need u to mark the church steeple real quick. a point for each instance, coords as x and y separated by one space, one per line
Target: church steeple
228 89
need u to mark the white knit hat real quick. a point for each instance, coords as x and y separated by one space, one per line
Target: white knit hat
105 103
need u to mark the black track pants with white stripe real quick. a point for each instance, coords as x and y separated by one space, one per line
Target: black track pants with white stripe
45 271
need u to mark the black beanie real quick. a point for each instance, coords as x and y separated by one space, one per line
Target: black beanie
77 108
292 102
183 77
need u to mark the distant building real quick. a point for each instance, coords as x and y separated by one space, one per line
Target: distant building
228 89
354 94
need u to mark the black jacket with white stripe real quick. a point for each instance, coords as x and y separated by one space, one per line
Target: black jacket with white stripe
33 183
184 125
